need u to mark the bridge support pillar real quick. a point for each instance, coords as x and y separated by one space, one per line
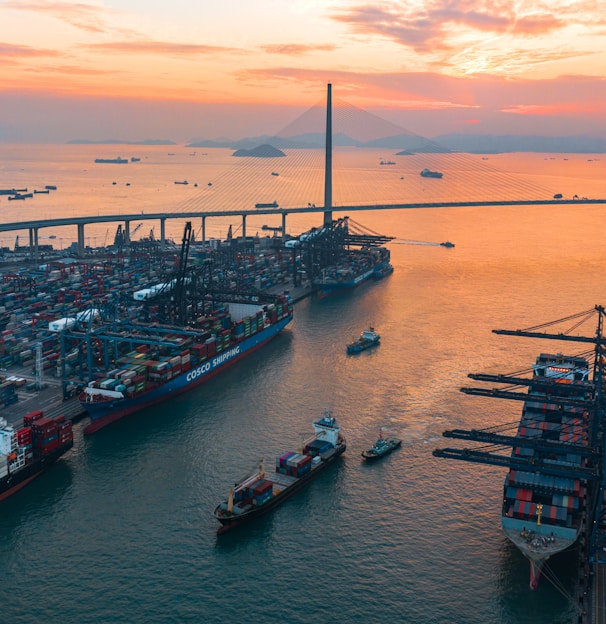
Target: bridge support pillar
33 243
243 226
203 229
126 233
283 225
80 251
162 233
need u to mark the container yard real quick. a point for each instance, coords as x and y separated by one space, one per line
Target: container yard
48 310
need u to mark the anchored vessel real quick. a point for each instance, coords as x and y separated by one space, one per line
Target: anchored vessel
263 491
549 495
383 446
367 339
112 161
29 450
145 378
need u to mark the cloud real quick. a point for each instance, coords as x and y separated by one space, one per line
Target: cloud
295 49
9 50
436 25
160 47
85 16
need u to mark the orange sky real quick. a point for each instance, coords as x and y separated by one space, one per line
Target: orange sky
139 69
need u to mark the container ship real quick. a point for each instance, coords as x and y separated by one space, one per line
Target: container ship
361 266
263 491
149 375
551 494
28 451
542 514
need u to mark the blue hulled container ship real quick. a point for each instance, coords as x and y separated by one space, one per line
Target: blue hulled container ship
151 374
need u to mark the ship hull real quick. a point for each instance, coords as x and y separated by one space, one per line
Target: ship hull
246 517
16 481
103 413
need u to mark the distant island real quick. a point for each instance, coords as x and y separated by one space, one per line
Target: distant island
402 144
261 151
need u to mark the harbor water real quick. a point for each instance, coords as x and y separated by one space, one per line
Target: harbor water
122 528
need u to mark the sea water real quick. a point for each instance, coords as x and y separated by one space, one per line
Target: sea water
122 528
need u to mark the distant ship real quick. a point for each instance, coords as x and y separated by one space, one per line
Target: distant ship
112 161
428 173
387 162
273 204
28 451
263 491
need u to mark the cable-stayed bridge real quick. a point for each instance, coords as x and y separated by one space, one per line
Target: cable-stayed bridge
373 165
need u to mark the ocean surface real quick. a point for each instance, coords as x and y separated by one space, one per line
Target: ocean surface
121 530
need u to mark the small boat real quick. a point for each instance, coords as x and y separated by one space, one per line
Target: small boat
275 173
135 159
428 173
112 161
263 491
387 162
383 446
45 191
50 187
181 182
273 204
367 339
447 244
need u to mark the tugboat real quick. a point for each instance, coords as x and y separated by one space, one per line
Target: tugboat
383 446
367 339
262 491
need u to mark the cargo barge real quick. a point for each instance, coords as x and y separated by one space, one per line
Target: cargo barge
27 452
144 378
263 491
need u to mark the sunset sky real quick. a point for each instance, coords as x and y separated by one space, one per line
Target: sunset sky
145 69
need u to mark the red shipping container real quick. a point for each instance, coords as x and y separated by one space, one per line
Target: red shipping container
28 419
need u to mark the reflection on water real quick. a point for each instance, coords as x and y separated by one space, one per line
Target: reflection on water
123 526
